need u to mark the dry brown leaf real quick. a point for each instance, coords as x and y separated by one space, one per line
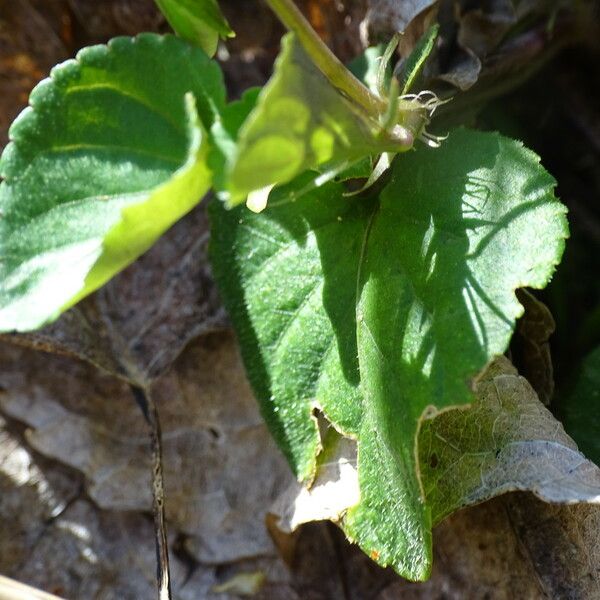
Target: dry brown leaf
333 491
222 469
462 71
30 44
411 18
42 495
531 349
483 25
562 544
476 556
88 554
102 20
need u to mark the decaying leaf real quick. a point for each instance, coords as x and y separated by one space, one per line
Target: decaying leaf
102 20
217 454
463 70
384 18
561 542
482 25
45 496
47 522
487 43
30 45
478 555
532 346
505 441
109 555
333 491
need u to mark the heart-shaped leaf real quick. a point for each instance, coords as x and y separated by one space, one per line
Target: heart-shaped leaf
107 157
378 311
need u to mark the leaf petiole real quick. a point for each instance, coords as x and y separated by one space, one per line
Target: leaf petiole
337 74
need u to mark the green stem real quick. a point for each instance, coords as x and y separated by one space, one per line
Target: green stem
325 59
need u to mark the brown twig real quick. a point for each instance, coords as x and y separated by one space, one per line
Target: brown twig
150 412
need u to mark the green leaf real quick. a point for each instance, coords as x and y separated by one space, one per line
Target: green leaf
365 67
506 440
108 156
269 268
301 122
224 135
199 22
478 220
430 268
581 407
414 64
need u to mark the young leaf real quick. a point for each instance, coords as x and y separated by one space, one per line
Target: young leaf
108 156
224 135
430 268
199 22
300 122
412 67
366 66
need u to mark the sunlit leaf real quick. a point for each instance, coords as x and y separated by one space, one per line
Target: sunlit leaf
199 22
376 310
415 62
505 441
107 157
300 122
224 135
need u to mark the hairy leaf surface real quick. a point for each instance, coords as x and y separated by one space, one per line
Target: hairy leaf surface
457 231
412 67
111 152
197 21
379 310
